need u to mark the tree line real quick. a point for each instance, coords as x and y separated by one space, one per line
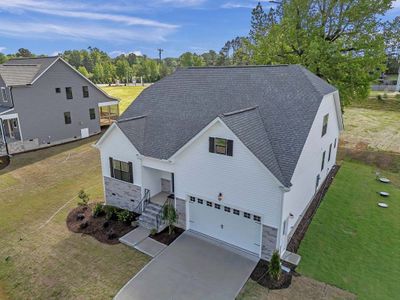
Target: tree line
345 42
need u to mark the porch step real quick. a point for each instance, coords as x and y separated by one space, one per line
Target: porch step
148 219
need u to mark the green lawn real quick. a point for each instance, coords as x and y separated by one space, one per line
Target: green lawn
351 243
39 257
127 94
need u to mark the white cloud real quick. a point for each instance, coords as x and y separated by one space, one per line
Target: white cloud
396 4
182 3
120 52
2 49
230 5
56 53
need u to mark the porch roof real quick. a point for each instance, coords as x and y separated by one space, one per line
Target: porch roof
4 109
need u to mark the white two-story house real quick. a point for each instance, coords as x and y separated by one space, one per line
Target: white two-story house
240 151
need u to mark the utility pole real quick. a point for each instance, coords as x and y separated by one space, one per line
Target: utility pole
159 53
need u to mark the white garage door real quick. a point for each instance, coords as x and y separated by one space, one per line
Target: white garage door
232 226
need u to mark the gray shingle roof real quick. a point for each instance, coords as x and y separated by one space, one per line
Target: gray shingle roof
279 105
3 109
23 71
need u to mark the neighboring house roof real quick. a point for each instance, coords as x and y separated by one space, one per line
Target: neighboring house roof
4 109
24 71
269 108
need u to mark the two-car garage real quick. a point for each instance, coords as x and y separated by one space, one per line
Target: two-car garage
233 226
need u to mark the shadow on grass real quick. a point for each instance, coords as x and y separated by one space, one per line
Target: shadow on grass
388 104
23 159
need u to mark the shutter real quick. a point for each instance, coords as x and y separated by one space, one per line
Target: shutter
130 172
111 167
229 150
211 145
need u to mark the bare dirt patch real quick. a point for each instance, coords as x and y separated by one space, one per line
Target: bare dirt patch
80 220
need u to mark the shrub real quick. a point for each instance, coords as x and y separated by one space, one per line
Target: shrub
125 216
111 212
83 198
170 215
275 266
97 210
153 232
379 98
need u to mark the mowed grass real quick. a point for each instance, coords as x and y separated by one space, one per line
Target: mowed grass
351 242
126 94
373 123
39 257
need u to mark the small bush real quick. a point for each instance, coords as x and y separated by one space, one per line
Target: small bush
379 98
153 232
275 266
97 210
125 216
83 198
111 212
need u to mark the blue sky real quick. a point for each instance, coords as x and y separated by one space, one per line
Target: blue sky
123 26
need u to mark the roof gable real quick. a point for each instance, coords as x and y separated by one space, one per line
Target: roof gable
179 106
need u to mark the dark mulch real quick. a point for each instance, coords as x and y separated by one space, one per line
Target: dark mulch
261 276
165 238
301 229
80 220
4 162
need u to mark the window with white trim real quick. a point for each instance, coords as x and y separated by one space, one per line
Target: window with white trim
200 201
236 212
209 203
246 215
217 206
257 218
227 209
325 124
192 199
221 146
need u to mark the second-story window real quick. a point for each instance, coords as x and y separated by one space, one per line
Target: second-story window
325 124
68 91
85 91
330 152
323 160
221 146
92 113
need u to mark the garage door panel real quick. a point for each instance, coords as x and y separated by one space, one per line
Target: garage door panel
226 226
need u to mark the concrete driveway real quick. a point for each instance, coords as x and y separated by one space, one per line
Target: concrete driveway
191 268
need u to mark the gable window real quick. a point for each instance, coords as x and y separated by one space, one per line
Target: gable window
58 90
220 146
85 91
92 113
4 94
68 91
330 152
323 160
67 117
325 124
121 170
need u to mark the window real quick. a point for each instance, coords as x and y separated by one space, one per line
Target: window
67 117
317 182
121 170
285 225
4 94
209 203
257 218
85 91
221 146
236 212
246 215
217 206
192 199
92 113
325 124
200 201
68 91
323 160
58 90
330 151
227 209
334 144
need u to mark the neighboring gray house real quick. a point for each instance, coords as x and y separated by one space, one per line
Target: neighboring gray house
45 101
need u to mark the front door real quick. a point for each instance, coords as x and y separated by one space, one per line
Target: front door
85 132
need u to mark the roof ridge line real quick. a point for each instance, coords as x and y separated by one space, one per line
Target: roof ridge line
239 111
236 67
131 119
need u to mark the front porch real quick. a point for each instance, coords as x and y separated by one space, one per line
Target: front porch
109 112
10 133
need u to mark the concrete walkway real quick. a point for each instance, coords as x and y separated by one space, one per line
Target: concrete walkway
194 268
139 239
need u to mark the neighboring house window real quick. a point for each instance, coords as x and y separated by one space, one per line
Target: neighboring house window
323 160
85 90
121 170
68 91
334 144
330 151
221 146
92 113
67 117
58 90
4 94
325 124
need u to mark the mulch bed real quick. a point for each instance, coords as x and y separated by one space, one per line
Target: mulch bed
261 276
4 162
80 220
165 238
301 230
